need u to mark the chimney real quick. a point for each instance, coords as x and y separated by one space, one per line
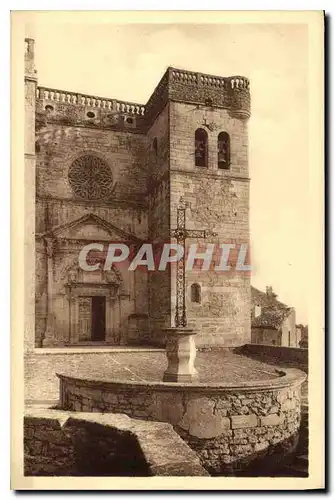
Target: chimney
269 291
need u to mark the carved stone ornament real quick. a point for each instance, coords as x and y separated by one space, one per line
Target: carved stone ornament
210 125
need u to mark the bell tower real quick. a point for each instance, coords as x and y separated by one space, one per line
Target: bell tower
207 177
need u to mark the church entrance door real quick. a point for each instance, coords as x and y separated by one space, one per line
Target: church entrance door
92 319
98 318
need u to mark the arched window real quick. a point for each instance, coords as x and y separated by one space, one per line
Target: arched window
155 147
201 147
223 150
196 293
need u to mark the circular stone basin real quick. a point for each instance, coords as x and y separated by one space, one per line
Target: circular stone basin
221 366
239 411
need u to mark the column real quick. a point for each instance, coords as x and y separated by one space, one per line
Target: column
27 224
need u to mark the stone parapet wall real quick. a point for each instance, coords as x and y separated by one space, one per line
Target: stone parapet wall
72 108
294 356
58 443
228 426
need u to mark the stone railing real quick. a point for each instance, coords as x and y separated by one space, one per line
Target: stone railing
129 108
188 77
66 97
238 82
231 93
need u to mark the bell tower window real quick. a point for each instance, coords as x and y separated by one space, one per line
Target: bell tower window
201 148
223 150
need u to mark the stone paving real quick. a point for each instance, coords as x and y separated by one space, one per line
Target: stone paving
214 366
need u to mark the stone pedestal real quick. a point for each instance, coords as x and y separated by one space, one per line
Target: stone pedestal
181 353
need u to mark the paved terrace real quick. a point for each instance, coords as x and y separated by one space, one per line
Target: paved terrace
137 365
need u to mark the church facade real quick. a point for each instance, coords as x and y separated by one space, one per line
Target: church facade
112 171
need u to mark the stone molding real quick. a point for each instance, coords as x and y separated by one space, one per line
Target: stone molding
287 378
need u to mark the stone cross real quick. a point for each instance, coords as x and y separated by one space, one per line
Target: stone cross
180 345
181 233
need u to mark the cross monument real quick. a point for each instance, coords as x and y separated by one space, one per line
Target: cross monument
180 346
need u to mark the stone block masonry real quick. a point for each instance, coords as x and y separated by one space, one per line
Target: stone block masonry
231 428
217 200
62 444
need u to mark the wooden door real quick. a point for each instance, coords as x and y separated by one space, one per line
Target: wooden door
98 318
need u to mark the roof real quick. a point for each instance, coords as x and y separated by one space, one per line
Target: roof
273 312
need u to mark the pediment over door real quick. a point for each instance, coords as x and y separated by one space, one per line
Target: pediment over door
90 228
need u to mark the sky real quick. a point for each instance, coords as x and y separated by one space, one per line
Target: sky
126 61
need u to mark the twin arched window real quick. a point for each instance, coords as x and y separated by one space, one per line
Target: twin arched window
201 149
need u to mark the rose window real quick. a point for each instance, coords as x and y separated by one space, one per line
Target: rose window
90 178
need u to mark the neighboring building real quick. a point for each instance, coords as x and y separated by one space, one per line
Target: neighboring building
272 322
108 170
303 329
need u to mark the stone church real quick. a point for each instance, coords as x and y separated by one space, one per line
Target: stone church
111 171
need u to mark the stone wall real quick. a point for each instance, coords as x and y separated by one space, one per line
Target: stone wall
289 332
159 288
60 145
265 336
227 426
57 205
59 444
284 356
